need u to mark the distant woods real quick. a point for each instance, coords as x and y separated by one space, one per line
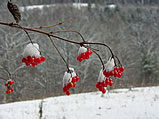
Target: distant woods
39 2
131 31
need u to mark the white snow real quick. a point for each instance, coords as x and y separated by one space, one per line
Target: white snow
75 5
81 50
31 7
31 50
109 66
67 78
112 6
101 76
140 103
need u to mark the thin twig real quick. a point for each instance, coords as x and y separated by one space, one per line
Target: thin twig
59 52
99 59
69 31
44 26
26 33
102 45
118 60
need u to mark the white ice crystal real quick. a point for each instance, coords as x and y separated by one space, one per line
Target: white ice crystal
31 50
82 50
101 76
68 76
109 66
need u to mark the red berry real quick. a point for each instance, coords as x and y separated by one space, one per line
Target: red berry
42 58
73 80
83 55
67 93
79 58
115 74
77 78
64 89
34 64
112 73
86 56
74 85
100 88
87 53
104 72
120 74
103 91
97 85
70 85
9 91
111 83
107 81
27 63
30 60
110 79
116 69
11 82
6 84
122 69
38 60
107 74
90 52
103 84
24 60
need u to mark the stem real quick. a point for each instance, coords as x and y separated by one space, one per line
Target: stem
99 59
102 45
38 31
70 31
26 33
94 50
59 52
29 37
118 60
44 26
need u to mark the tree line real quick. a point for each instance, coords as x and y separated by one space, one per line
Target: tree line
132 33
39 2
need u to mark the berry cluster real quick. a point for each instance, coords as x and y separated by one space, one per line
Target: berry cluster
31 55
104 76
116 72
33 60
71 84
102 85
8 85
83 53
103 82
69 81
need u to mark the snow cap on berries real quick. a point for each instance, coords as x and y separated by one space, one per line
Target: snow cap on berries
31 50
101 76
68 76
84 53
82 50
109 66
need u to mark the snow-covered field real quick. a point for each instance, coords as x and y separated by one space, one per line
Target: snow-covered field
140 103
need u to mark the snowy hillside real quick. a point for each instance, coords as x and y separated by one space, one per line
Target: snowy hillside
140 103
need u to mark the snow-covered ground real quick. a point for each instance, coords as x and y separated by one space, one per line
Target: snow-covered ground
140 103
75 5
